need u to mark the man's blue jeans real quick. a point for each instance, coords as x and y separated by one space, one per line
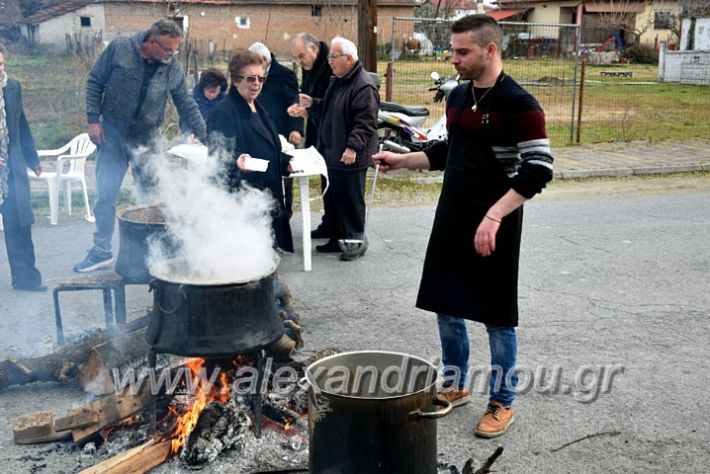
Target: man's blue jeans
503 345
112 162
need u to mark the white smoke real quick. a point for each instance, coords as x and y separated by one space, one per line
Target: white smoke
222 237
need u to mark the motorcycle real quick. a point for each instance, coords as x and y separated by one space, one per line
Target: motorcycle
401 128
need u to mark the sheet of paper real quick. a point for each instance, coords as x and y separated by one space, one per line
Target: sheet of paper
256 164
307 162
190 151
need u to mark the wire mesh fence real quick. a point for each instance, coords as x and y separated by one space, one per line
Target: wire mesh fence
605 99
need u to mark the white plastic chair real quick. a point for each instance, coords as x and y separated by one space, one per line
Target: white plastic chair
68 168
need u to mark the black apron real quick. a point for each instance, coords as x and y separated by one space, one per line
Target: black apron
456 281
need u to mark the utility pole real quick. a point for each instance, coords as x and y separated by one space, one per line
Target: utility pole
367 33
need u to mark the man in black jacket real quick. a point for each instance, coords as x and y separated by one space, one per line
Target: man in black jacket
17 154
347 138
279 92
312 55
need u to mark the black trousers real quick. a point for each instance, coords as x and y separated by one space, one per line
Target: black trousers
18 242
344 204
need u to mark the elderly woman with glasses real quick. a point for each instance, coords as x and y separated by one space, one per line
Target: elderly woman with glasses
240 128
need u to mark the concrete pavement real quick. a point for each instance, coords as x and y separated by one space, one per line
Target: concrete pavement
632 158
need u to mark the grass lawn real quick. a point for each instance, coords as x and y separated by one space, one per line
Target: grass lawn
614 109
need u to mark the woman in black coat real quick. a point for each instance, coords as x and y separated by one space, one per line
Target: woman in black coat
17 154
242 128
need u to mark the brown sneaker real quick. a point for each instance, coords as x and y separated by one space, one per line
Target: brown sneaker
495 420
457 398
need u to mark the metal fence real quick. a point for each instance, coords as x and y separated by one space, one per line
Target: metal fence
588 96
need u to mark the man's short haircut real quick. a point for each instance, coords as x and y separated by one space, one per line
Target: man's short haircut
308 40
484 28
212 77
164 27
242 59
346 46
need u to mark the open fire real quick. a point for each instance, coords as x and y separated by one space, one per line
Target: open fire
208 413
204 393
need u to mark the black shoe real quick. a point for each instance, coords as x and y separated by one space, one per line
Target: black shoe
350 256
330 247
38 287
319 233
94 260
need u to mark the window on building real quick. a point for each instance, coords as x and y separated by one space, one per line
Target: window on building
85 21
180 21
242 21
662 20
316 10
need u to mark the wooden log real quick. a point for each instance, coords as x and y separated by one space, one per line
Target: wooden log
62 364
138 460
76 419
36 428
111 409
95 375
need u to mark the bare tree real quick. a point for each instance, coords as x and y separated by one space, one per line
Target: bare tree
621 14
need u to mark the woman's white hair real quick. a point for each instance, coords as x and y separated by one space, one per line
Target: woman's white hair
346 46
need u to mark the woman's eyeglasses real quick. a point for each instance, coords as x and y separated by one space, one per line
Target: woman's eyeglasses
253 79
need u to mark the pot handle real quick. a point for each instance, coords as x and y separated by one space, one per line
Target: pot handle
436 413
181 296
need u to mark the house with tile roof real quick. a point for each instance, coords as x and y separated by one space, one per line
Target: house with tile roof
225 24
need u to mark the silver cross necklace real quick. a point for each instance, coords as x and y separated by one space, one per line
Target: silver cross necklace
474 107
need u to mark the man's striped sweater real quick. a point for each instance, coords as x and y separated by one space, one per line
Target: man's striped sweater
511 121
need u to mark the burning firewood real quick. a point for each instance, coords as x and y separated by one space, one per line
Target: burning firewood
221 427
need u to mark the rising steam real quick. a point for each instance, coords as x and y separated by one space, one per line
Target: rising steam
220 237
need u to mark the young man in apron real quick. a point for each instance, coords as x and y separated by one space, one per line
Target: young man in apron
497 157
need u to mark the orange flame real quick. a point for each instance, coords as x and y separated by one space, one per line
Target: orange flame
204 393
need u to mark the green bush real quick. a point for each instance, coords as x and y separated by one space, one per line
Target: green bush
641 55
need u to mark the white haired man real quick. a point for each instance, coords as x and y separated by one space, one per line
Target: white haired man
347 138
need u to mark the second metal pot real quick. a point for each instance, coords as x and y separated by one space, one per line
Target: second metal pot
373 412
137 226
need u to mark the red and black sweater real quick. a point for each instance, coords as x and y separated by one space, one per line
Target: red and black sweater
514 128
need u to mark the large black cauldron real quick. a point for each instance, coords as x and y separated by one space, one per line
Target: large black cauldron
213 320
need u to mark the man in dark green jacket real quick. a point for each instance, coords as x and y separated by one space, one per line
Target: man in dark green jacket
126 94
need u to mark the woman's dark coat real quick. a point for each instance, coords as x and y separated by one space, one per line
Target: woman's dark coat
22 153
233 126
